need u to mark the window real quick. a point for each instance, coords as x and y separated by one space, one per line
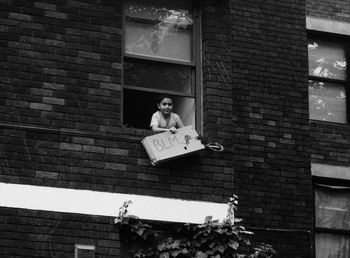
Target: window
161 55
328 80
84 251
332 212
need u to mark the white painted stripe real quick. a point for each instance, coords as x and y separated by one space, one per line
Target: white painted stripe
107 204
326 25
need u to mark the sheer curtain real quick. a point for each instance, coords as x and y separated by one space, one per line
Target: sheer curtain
332 206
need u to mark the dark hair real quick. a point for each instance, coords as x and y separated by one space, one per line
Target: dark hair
163 96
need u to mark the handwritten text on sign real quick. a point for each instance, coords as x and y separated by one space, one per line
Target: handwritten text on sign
164 146
171 141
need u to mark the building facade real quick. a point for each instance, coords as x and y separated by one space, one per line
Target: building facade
266 79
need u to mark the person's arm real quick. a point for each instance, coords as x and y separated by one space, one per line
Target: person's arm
179 123
155 128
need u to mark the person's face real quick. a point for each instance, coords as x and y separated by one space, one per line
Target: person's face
165 106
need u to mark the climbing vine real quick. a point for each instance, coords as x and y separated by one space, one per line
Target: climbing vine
212 239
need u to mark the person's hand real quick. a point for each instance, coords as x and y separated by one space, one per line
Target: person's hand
172 130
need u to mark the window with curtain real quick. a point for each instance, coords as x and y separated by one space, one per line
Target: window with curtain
332 212
327 80
160 56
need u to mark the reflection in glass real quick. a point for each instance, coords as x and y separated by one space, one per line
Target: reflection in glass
327 101
158 75
161 29
327 60
332 246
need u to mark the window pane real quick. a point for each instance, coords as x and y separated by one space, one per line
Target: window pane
327 59
139 107
162 29
332 208
331 245
327 101
158 75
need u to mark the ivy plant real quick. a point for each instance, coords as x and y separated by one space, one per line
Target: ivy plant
212 239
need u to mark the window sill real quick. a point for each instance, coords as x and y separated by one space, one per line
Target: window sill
321 122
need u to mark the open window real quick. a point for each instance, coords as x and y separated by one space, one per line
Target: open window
328 79
161 55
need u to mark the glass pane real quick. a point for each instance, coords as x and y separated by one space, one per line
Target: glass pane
157 75
162 29
332 246
327 101
139 107
327 59
332 208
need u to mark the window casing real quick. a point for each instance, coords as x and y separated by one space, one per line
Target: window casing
84 251
161 55
328 78
332 221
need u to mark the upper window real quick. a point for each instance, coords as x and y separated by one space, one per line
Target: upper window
332 212
327 80
161 55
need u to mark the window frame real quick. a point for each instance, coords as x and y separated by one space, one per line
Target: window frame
333 38
195 64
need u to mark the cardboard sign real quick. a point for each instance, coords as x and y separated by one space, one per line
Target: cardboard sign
166 146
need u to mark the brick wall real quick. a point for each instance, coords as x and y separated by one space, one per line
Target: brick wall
32 233
334 10
62 64
61 96
271 124
107 163
330 143
61 106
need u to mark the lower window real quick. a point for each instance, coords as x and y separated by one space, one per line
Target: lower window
332 210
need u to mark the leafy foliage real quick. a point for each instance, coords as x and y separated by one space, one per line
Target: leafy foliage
212 239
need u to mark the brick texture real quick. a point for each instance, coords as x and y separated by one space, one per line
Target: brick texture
31 233
334 10
271 108
107 163
59 67
270 120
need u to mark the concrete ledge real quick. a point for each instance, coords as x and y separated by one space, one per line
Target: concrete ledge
107 204
330 26
337 172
